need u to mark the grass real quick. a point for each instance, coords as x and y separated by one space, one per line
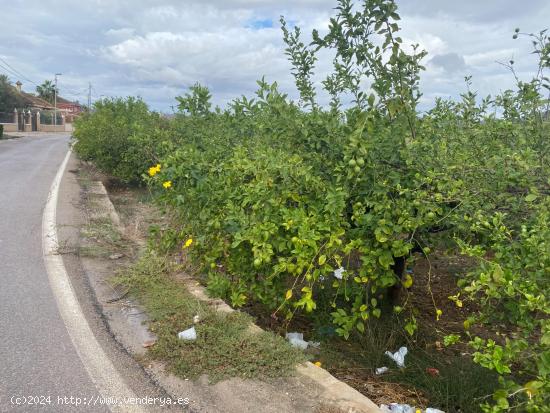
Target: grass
84 177
460 386
103 239
225 346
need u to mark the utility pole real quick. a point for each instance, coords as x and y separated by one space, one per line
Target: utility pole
90 96
55 101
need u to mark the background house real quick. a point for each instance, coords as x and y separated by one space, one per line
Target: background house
32 102
33 113
70 109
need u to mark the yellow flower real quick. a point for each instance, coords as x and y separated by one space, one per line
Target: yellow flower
188 243
167 184
438 314
317 363
153 170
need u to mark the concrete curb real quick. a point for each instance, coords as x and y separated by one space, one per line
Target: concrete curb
106 207
335 392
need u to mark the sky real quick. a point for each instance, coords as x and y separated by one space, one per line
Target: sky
157 49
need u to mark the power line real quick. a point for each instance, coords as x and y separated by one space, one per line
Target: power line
17 72
74 95
9 72
73 91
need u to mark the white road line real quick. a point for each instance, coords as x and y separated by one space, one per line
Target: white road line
101 370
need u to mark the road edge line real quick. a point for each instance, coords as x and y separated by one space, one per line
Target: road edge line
101 370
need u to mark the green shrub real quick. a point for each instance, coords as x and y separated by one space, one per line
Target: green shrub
121 136
321 210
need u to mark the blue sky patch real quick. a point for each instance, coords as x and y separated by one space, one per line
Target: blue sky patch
260 24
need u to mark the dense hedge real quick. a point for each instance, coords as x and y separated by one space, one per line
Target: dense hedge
309 209
120 136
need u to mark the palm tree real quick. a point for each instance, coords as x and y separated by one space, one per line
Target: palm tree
47 91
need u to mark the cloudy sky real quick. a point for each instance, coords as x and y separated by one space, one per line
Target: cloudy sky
158 48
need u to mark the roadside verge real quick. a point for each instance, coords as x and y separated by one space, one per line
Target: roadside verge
309 389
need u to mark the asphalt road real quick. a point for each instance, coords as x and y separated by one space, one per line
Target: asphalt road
37 357
40 368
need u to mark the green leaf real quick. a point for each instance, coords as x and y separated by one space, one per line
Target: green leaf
322 259
543 363
385 259
533 387
411 327
451 339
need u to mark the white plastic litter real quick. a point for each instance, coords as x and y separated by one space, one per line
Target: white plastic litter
190 334
398 356
339 273
297 340
196 319
405 408
397 408
381 370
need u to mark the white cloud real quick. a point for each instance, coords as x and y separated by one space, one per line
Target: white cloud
489 57
120 34
156 48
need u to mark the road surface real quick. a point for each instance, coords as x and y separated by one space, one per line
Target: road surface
39 363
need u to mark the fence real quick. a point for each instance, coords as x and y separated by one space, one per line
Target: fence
34 121
47 118
9 122
7 117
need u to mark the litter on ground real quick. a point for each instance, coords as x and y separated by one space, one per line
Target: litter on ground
339 273
398 356
397 408
297 340
190 334
405 408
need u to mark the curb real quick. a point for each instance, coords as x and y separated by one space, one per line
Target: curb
335 392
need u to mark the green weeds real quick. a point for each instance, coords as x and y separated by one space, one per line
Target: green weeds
225 347
440 378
